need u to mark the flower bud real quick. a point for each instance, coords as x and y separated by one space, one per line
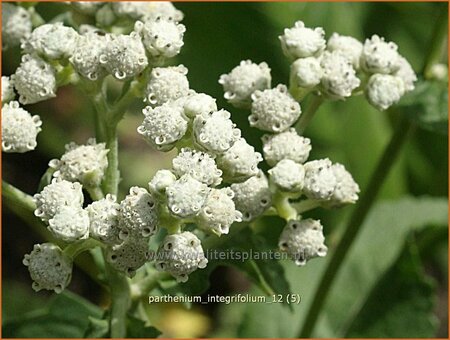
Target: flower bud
49 268
16 24
104 219
379 56
34 80
7 90
59 193
199 165
252 197
215 132
301 42
19 128
243 80
384 90
286 145
180 255
306 72
240 162
320 180
166 84
124 55
303 240
186 196
160 181
82 163
138 216
70 224
218 212
163 125
350 47
288 175
86 55
274 110
129 256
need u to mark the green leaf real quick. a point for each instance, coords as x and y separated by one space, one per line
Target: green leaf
427 105
374 252
66 316
136 328
400 305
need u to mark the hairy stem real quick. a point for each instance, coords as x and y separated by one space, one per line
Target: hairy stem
74 249
306 205
112 174
283 206
305 117
438 42
385 164
120 301
142 288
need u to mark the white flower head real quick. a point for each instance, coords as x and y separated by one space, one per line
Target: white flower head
58 194
147 10
186 196
320 181
124 55
51 41
243 80
384 90
163 125
303 240
339 77
19 128
70 224
286 145
162 38
129 256
180 255
160 181
82 163
86 55
166 84
16 24
288 176
87 7
138 216
164 10
306 72
219 212
34 80
407 74
346 190
199 165
348 46
252 197
274 110
240 162
379 56
7 90
196 104
301 42
49 268
215 132
104 219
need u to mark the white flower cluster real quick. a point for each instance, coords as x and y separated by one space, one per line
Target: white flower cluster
391 75
333 68
329 68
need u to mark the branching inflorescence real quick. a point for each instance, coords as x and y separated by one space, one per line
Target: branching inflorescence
215 179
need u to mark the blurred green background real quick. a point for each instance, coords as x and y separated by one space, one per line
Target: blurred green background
395 278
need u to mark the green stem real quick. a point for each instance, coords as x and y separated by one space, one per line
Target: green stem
147 284
305 117
306 205
96 193
283 206
438 40
112 174
74 249
403 129
120 301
